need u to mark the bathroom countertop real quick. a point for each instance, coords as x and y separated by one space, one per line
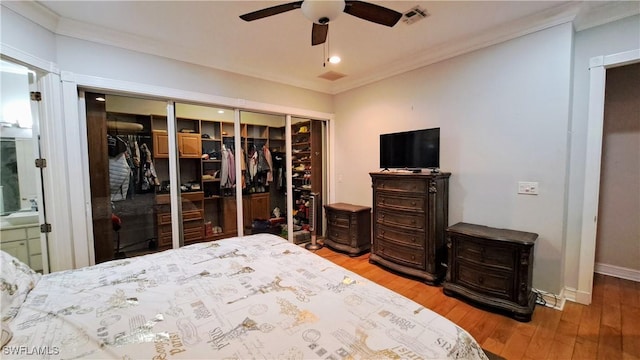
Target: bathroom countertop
4 225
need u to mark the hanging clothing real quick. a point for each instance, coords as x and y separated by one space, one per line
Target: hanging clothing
253 165
231 182
224 167
119 172
267 157
149 176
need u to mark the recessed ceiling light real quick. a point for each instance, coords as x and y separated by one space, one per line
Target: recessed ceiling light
100 99
334 59
220 111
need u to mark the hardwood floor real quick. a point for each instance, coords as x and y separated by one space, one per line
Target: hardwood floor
609 328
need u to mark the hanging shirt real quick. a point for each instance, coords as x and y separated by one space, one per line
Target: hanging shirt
267 157
224 167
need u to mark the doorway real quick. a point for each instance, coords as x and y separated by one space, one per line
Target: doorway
21 195
618 233
593 167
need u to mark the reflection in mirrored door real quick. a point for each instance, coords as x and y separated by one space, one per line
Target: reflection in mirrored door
127 144
20 188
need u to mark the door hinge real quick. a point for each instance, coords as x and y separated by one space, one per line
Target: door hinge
45 228
41 163
36 96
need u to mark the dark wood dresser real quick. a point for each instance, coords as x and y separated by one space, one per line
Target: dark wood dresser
492 267
410 214
348 228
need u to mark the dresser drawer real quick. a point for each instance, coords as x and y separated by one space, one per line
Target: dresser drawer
190 215
492 254
339 219
195 233
411 203
406 185
400 254
498 284
403 219
410 238
339 235
164 238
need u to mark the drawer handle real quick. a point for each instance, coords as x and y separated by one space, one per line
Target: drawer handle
413 257
382 201
382 216
413 203
413 222
413 239
481 280
335 234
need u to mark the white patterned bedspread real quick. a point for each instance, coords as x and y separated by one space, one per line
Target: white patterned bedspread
240 298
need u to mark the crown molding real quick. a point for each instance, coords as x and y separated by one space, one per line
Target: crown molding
600 14
35 12
511 30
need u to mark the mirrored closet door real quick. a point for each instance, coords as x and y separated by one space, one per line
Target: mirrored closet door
128 174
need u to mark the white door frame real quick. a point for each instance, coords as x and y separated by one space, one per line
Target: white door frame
597 71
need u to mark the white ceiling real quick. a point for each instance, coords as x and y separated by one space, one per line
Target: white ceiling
278 48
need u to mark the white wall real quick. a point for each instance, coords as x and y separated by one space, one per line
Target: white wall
503 113
87 58
25 36
611 38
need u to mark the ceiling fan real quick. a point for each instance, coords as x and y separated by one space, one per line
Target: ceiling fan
321 12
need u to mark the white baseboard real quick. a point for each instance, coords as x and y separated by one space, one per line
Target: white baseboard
574 295
618 271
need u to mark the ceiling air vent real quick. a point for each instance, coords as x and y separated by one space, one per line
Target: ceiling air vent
415 14
332 76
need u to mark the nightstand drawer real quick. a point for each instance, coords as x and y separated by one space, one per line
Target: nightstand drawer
403 219
400 254
339 235
492 254
401 202
406 185
498 284
341 219
409 238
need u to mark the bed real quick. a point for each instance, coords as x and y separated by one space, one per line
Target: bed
240 298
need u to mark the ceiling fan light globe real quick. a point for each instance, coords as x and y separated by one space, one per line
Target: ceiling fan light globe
322 11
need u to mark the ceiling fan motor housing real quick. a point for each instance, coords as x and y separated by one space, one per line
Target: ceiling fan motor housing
322 11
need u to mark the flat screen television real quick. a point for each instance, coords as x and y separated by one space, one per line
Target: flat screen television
413 150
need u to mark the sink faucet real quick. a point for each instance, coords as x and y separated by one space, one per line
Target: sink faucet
34 204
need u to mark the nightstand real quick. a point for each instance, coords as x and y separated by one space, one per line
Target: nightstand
492 267
348 228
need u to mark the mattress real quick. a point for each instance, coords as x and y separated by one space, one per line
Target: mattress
240 298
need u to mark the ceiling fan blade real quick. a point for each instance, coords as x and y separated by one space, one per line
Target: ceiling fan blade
274 10
319 34
372 12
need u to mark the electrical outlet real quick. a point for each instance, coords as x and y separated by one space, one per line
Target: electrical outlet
528 187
